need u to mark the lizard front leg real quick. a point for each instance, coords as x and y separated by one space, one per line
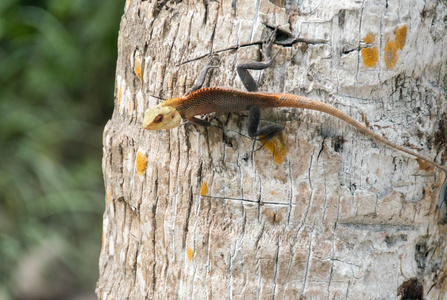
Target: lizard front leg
200 80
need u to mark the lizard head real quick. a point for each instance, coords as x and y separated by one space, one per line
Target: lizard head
161 117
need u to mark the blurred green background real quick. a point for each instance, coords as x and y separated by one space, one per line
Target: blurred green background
57 69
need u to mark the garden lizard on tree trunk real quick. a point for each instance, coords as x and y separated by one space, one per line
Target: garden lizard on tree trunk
201 101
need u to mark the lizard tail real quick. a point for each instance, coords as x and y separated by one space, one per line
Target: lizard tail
287 100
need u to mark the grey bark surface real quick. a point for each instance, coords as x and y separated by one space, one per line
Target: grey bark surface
342 217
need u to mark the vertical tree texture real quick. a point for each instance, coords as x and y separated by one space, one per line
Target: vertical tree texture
192 213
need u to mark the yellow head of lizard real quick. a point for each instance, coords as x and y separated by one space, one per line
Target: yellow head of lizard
161 117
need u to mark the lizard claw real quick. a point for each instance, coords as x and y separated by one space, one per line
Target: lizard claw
267 45
262 146
210 60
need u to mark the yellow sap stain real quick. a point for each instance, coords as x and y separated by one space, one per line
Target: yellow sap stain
401 36
108 197
370 38
272 193
138 66
277 147
190 253
130 106
370 55
120 92
390 54
141 163
204 189
102 240
391 47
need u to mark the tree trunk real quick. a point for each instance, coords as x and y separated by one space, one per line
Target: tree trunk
193 213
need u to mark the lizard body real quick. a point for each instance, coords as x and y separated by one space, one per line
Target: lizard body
169 113
201 101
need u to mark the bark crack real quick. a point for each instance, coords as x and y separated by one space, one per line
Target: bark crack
275 271
333 246
308 262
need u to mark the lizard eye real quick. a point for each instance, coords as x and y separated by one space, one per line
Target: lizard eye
158 118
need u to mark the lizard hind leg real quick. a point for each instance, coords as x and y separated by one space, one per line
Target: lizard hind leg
268 132
242 69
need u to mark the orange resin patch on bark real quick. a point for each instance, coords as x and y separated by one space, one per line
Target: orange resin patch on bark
190 253
118 99
277 147
370 38
370 55
390 54
141 162
138 66
401 36
391 47
102 240
130 106
204 189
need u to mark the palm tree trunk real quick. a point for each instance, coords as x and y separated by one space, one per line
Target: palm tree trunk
193 213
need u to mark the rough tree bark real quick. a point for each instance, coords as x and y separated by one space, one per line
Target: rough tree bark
339 216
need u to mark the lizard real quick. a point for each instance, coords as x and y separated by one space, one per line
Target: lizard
201 101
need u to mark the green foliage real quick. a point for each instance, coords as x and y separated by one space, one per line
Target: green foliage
57 63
